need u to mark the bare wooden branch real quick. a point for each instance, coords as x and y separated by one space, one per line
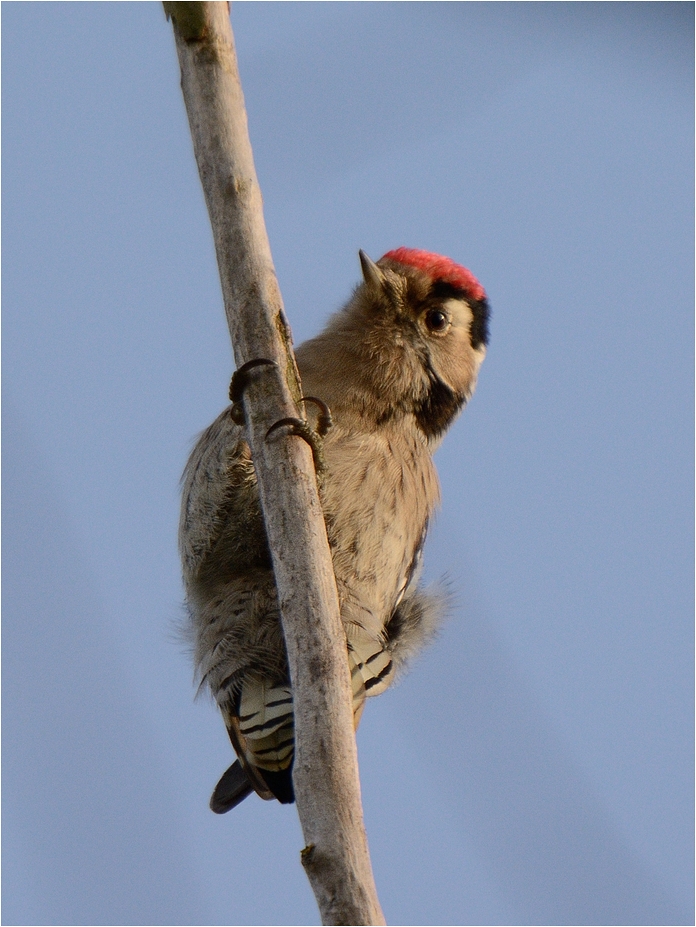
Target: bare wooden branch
325 775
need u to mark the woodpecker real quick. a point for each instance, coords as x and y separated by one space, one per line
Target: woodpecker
395 366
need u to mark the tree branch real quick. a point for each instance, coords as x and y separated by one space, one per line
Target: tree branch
325 775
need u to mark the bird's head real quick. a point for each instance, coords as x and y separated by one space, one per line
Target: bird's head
409 342
426 322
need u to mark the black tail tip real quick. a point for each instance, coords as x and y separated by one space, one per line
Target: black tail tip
280 783
233 788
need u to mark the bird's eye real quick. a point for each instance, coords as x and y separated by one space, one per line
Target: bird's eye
436 320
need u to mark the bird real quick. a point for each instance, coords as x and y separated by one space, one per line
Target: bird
395 366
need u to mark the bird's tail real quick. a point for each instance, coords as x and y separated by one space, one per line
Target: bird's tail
262 730
233 787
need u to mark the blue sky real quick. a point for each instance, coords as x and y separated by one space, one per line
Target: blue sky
536 765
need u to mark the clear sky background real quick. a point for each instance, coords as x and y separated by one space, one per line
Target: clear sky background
536 765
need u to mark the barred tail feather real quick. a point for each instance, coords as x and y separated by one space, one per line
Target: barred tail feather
261 729
266 724
371 668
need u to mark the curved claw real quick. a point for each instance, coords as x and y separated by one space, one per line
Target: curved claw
305 431
240 378
324 421
298 426
239 382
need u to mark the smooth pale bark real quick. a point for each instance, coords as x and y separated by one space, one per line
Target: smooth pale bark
325 775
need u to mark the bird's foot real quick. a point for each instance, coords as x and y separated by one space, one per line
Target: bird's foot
313 436
324 420
240 380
